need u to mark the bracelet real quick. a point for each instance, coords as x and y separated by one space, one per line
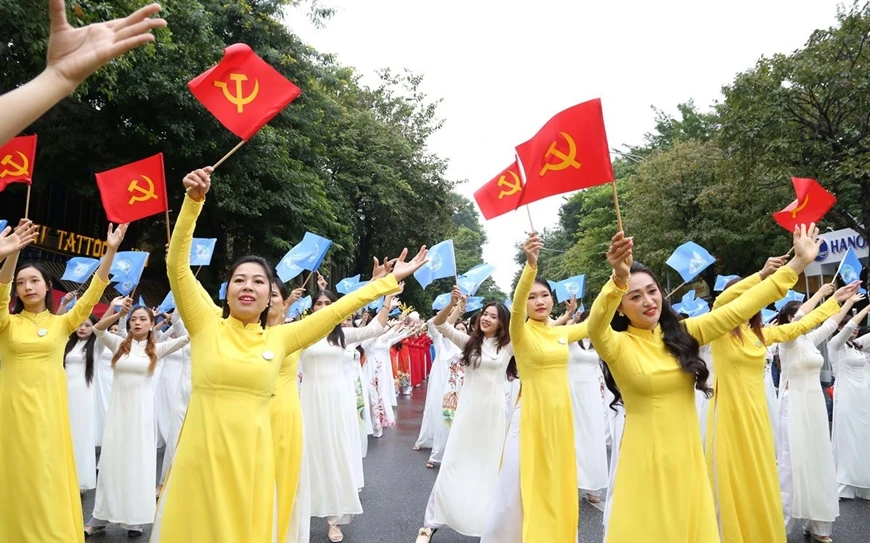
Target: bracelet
615 279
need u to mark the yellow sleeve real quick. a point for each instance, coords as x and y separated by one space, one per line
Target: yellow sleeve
5 296
576 332
302 334
195 310
787 332
714 324
736 290
606 341
73 318
518 305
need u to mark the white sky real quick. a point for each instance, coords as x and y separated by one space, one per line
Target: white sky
504 67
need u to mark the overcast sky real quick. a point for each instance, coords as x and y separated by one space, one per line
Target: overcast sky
503 68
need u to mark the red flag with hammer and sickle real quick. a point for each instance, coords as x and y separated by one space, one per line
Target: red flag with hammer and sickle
134 191
242 91
501 194
813 201
569 153
16 161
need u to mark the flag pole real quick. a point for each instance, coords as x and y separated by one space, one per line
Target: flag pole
168 231
307 279
618 213
198 269
530 218
228 155
27 203
681 285
790 251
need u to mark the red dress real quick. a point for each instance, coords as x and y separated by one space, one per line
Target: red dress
418 348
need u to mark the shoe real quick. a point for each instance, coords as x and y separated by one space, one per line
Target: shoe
425 535
430 465
335 534
133 534
91 530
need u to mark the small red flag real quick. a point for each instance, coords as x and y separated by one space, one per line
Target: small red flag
813 201
501 194
134 191
569 153
16 161
242 91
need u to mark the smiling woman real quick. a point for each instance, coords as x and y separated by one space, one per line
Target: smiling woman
221 486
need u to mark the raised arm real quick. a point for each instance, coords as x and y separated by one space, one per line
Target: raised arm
453 335
787 332
441 317
823 332
369 331
532 248
171 345
605 340
110 340
190 303
73 55
814 300
735 291
576 332
110 318
714 324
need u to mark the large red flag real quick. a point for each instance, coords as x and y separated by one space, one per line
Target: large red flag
569 153
813 201
16 161
134 191
242 91
501 194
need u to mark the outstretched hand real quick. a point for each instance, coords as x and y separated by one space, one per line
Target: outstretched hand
402 269
806 243
13 241
532 248
847 292
116 235
76 53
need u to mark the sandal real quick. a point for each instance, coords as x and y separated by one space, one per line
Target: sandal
335 534
91 530
415 448
592 498
425 535
819 538
430 465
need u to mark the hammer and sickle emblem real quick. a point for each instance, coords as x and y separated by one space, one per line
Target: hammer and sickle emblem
567 160
145 194
514 187
239 99
20 168
800 208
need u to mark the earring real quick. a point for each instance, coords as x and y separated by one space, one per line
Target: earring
620 313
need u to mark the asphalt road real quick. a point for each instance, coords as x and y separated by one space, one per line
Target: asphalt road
398 485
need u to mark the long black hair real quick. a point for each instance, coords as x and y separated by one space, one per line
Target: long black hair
270 279
88 351
679 343
49 299
471 351
787 312
336 337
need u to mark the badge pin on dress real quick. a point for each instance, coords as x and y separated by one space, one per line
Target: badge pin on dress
268 355
42 332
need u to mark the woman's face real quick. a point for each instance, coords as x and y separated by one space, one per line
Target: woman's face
32 289
140 324
540 303
488 321
85 330
347 323
114 329
642 304
248 292
461 327
279 307
320 303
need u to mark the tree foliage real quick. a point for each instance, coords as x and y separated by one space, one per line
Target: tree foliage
346 161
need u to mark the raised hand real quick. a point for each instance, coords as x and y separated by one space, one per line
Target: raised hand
402 269
296 294
322 284
827 289
116 235
619 255
381 270
571 306
76 53
198 182
126 305
773 263
848 292
456 296
806 243
532 248
13 241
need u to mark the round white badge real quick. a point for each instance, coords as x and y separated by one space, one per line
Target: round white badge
563 341
268 355
42 332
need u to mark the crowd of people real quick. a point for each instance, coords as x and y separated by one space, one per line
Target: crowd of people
265 420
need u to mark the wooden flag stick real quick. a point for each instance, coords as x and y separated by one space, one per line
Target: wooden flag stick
616 204
307 279
168 231
27 203
530 218
790 251
228 155
681 285
198 269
